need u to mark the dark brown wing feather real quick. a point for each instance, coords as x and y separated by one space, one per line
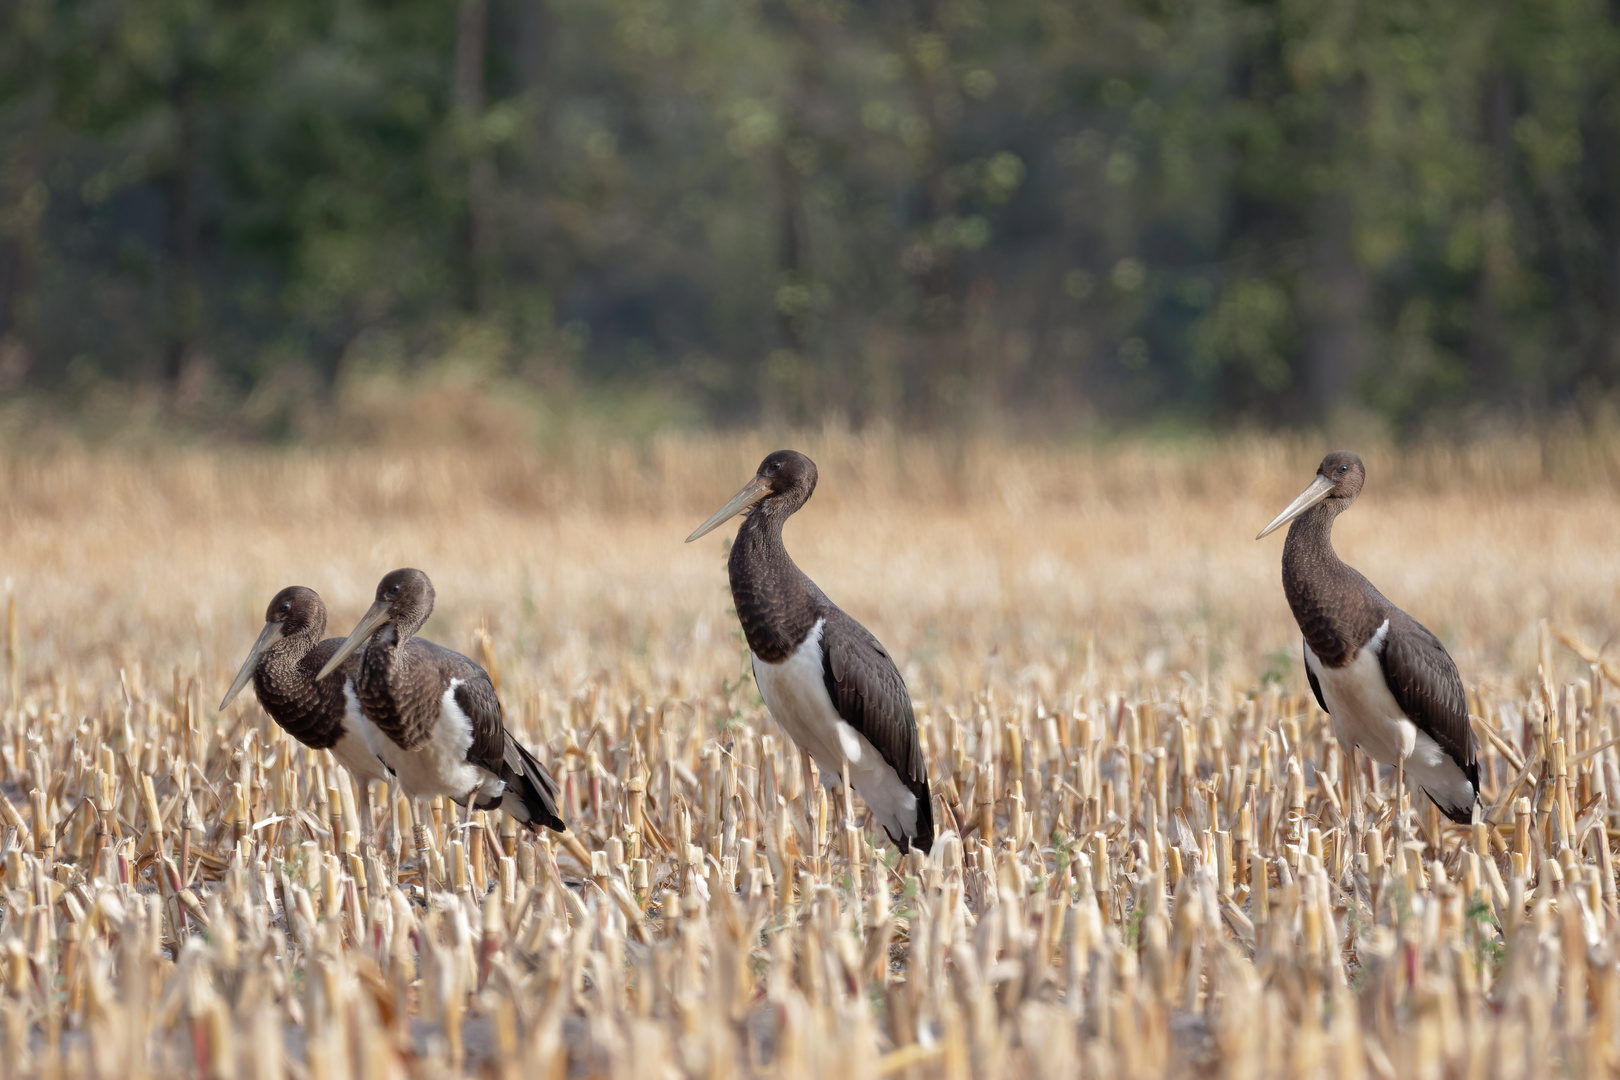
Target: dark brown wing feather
1425 684
1316 687
869 694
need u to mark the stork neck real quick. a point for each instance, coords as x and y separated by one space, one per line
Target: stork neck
1337 609
282 682
776 603
286 686
377 662
1311 534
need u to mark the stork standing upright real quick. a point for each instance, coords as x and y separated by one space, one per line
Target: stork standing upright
320 711
829 683
1386 681
432 715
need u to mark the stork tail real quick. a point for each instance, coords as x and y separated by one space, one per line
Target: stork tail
531 793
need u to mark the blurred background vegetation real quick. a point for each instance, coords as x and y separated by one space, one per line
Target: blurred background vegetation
929 213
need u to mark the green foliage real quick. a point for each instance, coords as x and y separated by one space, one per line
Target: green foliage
1489 949
1279 668
1083 210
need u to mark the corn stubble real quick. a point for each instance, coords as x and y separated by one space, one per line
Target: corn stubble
1145 868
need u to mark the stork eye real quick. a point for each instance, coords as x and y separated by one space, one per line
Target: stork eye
286 605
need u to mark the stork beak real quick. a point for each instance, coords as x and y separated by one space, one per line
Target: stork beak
753 491
1320 489
368 625
267 637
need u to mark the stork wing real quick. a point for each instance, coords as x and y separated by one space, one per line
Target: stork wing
1424 682
870 696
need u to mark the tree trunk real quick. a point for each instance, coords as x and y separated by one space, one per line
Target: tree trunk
789 248
534 38
26 201
184 233
1335 308
1491 364
944 363
467 102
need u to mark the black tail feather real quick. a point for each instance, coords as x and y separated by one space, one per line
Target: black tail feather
1462 815
531 786
923 840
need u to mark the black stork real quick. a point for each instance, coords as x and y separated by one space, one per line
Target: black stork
1386 681
824 677
320 711
433 716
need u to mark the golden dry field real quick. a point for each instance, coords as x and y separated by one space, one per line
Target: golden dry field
1145 867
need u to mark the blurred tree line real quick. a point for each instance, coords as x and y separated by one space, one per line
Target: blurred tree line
923 210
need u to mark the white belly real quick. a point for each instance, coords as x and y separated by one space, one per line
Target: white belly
439 766
351 750
795 691
1365 714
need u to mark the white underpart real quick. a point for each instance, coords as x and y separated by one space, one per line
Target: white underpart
351 750
439 766
1365 714
796 693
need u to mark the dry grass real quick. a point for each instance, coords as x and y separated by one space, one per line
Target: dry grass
1153 873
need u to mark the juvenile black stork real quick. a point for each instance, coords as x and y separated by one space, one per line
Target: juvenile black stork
432 715
320 711
824 677
1386 681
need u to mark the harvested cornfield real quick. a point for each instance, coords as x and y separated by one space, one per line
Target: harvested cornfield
1146 865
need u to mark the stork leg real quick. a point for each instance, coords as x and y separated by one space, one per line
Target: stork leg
1401 806
1359 786
1352 808
848 800
419 839
362 807
393 837
1355 783
1350 758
